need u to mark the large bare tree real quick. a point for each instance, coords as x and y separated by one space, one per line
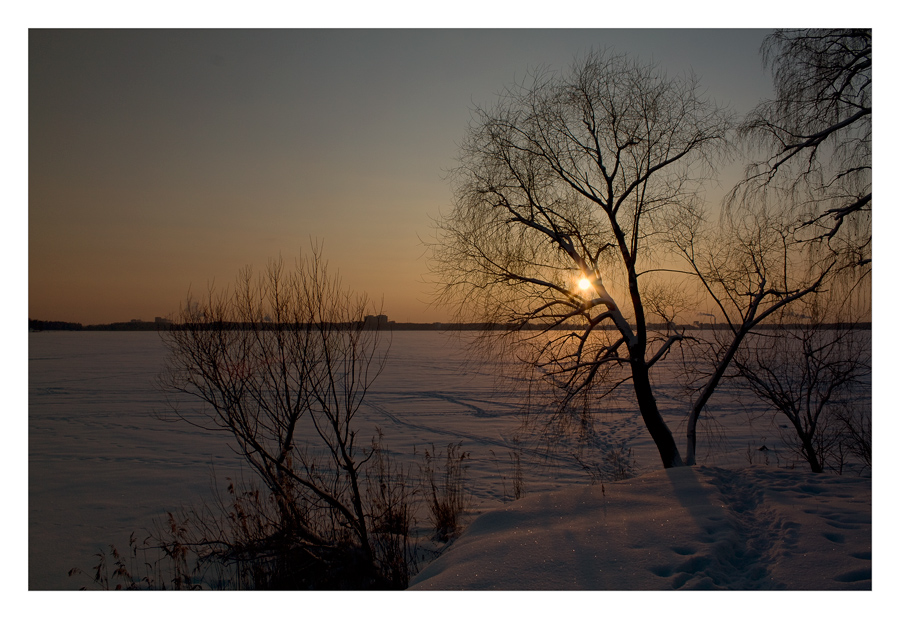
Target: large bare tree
562 191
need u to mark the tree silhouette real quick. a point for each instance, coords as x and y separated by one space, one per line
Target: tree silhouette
569 177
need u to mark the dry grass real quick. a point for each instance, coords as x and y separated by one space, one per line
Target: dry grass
445 486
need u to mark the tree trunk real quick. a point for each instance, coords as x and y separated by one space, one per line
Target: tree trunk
657 427
809 451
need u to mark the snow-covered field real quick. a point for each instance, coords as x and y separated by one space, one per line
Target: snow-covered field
101 465
691 528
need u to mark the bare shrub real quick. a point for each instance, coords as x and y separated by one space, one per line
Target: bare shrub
811 373
282 364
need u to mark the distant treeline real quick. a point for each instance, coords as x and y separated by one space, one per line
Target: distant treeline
53 325
57 325
138 325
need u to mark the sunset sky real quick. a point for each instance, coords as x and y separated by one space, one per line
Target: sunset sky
161 161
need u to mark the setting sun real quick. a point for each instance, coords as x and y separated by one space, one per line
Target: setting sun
584 283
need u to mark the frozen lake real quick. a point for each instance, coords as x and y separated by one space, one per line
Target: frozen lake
102 464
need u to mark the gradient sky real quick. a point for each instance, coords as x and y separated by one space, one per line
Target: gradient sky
163 160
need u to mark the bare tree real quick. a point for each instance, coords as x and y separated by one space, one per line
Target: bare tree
562 190
282 364
815 137
749 268
811 372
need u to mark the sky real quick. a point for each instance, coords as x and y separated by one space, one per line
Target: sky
163 161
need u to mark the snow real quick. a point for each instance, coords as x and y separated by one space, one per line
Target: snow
102 465
686 528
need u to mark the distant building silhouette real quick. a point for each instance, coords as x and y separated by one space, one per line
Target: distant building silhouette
376 322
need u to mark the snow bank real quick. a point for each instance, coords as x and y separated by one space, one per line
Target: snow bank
686 528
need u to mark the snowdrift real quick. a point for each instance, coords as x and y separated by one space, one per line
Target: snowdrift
685 528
